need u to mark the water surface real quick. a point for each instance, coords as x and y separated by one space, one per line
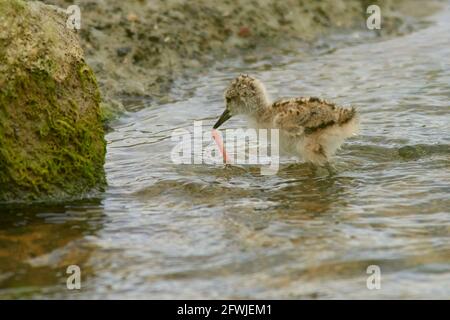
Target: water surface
204 231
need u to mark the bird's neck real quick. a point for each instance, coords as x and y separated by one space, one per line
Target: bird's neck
256 107
261 104
261 118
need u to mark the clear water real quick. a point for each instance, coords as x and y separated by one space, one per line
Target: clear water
203 231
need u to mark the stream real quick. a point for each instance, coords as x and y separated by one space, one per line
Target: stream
164 230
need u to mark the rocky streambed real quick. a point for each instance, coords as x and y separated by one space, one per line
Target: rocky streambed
138 48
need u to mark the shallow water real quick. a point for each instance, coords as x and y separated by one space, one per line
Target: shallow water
204 231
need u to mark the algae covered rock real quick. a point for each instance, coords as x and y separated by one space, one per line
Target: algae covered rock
52 143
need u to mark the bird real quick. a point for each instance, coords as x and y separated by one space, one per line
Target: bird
310 128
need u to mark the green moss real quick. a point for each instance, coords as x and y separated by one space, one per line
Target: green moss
66 152
11 6
52 143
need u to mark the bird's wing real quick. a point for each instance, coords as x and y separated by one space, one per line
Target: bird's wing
306 115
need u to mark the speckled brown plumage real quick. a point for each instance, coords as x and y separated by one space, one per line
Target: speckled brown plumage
306 114
310 127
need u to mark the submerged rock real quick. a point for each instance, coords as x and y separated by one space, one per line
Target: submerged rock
52 143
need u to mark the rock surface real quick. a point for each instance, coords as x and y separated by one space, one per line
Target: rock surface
52 143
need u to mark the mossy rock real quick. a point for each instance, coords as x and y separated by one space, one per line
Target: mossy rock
52 143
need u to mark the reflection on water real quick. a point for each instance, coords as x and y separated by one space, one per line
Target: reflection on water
38 244
204 231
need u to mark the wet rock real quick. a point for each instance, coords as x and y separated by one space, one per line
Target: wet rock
132 17
250 59
52 143
244 32
411 152
123 51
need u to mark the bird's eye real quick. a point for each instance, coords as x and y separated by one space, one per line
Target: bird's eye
228 99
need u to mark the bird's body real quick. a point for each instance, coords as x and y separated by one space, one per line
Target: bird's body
309 127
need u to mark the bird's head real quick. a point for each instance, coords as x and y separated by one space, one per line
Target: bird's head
245 95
